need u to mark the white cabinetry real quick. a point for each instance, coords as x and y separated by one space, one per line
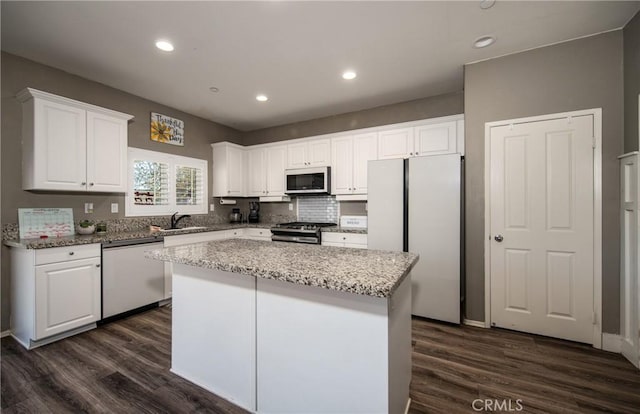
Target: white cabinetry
257 234
54 292
228 170
72 146
266 167
437 136
311 153
350 156
395 143
353 240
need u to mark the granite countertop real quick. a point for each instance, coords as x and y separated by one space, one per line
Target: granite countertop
138 234
366 272
125 235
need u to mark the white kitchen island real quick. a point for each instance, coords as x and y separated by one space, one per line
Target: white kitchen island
292 328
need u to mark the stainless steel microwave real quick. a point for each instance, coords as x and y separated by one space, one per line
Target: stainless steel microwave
312 180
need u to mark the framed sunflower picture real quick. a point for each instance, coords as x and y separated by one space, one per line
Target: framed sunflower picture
166 129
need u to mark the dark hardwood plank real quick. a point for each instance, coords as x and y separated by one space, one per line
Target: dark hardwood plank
123 367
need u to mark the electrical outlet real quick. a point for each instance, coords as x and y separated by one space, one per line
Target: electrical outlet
114 207
290 206
212 207
88 208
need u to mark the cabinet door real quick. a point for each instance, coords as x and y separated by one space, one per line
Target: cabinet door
342 167
395 143
319 154
276 164
234 171
436 139
297 155
67 296
106 153
256 182
60 152
365 149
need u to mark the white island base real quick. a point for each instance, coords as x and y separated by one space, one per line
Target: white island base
278 347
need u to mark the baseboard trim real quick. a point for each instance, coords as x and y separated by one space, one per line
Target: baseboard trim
477 324
5 333
611 342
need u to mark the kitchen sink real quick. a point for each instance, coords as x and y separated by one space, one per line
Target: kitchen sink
183 229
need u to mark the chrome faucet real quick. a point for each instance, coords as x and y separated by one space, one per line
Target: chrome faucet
175 220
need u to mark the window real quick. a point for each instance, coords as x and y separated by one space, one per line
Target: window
161 184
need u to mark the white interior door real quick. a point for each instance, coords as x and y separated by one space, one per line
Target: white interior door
542 227
629 324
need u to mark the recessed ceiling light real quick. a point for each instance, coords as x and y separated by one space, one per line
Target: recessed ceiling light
214 89
262 98
484 41
164 45
349 75
487 4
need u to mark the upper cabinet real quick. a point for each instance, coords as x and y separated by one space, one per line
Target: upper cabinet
444 136
311 153
228 170
72 146
395 143
266 167
350 156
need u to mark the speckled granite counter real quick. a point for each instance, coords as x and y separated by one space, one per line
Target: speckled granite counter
137 234
116 236
367 272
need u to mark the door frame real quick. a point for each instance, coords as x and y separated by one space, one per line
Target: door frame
597 211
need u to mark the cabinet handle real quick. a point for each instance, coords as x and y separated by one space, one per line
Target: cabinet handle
344 238
91 184
228 191
411 153
71 253
84 183
97 265
417 153
267 192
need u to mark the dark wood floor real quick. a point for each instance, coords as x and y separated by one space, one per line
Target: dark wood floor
123 367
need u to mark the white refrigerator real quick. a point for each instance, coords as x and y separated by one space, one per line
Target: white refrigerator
415 205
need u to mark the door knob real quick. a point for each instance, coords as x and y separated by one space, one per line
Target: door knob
499 238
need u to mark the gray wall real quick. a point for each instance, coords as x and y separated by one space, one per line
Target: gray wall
442 105
18 73
631 83
581 74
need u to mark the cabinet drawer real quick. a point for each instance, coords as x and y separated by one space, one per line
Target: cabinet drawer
62 254
351 238
258 233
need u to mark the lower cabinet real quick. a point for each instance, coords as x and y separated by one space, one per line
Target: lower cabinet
353 240
257 234
55 292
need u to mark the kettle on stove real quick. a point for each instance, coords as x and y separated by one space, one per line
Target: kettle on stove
235 216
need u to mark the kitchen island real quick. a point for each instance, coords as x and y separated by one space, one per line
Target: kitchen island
293 328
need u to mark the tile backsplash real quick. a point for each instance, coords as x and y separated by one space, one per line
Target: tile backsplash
321 209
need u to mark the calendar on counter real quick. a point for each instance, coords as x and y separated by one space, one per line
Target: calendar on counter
52 222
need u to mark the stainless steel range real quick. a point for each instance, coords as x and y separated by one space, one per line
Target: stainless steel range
299 232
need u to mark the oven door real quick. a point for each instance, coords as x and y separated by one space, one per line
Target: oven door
308 180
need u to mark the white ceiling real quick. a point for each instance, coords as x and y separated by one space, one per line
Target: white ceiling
294 52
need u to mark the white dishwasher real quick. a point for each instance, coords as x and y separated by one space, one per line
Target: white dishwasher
130 280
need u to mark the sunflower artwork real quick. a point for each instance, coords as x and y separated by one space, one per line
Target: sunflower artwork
166 129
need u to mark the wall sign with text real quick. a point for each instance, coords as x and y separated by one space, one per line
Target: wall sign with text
166 129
